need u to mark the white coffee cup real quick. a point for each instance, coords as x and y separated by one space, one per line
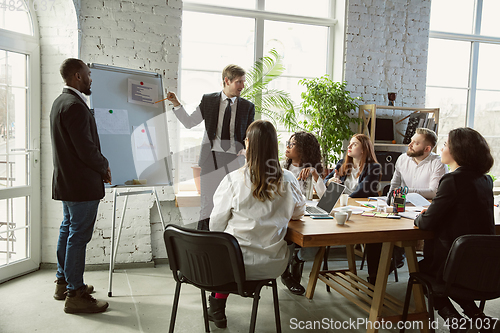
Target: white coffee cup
347 210
343 199
341 217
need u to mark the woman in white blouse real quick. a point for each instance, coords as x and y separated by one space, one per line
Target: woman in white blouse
303 159
254 204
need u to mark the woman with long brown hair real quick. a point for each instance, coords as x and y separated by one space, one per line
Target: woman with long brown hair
255 204
359 171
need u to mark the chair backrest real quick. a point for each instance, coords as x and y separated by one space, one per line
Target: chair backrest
206 259
474 263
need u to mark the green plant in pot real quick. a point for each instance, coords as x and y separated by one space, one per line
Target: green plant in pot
326 111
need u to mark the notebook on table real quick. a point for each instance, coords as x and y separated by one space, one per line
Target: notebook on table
327 201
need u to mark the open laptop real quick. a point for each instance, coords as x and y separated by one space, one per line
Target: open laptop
327 201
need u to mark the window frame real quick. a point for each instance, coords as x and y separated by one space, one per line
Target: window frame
336 32
29 45
475 38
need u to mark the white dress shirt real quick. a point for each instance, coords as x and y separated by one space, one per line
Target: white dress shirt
79 93
422 178
260 227
196 118
319 185
351 182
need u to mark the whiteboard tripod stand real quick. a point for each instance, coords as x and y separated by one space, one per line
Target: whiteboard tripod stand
114 246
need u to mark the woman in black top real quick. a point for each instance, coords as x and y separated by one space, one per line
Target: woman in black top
466 185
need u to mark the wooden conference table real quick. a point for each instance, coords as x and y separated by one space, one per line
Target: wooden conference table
361 230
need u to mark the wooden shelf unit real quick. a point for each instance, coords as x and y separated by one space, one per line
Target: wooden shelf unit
368 112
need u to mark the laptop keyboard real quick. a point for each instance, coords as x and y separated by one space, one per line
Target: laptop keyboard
314 210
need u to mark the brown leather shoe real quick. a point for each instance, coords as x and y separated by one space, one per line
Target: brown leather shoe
79 301
60 295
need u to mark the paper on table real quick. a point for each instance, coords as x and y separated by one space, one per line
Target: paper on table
378 198
111 121
355 209
414 208
409 215
417 199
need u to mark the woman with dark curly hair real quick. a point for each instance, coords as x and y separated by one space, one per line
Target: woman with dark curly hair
303 159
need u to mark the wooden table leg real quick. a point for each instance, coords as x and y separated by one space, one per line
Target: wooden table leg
313 277
418 292
384 267
351 258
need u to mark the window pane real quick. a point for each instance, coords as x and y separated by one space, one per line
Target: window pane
489 19
15 17
193 85
448 63
13 116
452 16
487 111
321 8
294 43
223 40
13 230
452 104
488 70
246 4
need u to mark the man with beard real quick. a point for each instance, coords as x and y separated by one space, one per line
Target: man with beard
419 169
80 171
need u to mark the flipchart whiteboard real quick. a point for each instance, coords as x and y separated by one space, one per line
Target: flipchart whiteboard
132 128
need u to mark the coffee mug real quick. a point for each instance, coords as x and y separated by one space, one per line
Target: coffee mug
347 210
343 199
341 217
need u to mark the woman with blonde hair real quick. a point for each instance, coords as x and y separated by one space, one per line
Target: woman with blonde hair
255 204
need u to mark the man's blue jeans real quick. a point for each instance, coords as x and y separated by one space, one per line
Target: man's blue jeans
74 234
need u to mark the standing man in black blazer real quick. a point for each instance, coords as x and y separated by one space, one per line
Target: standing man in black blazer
80 171
227 117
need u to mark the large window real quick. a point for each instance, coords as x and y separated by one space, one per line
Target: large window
221 32
462 70
19 141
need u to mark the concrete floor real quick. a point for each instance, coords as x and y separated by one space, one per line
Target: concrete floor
142 300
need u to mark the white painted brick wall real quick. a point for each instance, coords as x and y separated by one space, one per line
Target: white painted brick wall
386 49
141 35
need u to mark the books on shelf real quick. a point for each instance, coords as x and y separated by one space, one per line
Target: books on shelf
416 120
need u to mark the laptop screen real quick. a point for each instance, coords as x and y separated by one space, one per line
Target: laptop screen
332 194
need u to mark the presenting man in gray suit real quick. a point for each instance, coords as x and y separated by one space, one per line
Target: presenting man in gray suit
227 117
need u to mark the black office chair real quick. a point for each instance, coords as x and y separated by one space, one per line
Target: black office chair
471 272
212 261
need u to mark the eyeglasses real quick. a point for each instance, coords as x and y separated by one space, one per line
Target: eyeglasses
290 144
